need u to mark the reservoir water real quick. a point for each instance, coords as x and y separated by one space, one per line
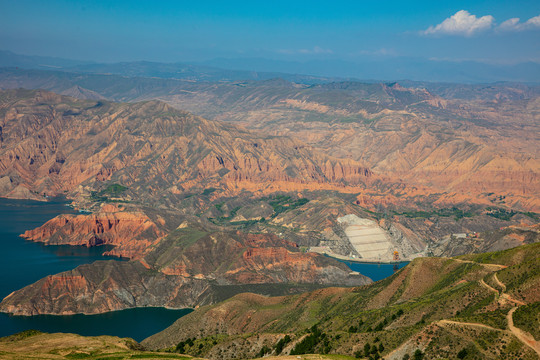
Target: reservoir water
24 262
373 270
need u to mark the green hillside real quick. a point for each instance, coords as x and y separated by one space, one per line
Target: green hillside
445 308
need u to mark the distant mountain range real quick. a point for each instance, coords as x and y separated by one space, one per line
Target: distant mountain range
231 196
311 72
479 130
395 68
182 71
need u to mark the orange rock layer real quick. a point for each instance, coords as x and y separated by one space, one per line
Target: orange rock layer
51 144
131 233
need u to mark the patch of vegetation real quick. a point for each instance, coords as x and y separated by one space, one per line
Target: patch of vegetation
501 214
496 319
279 203
454 276
524 253
475 307
223 220
532 215
315 342
283 203
370 351
113 190
181 346
527 317
219 206
187 236
264 350
245 223
208 191
94 196
281 344
446 212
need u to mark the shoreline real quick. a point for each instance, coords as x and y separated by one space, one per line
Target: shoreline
362 261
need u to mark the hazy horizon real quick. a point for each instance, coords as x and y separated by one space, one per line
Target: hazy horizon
172 31
419 40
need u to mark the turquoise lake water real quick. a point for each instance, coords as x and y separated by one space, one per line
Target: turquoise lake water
375 271
25 262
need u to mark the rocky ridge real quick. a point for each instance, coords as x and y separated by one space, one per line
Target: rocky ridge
451 144
437 306
52 144
130 232
187 268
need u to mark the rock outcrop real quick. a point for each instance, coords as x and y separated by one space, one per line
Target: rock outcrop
440 299
449 143
51 144
130 232
187 268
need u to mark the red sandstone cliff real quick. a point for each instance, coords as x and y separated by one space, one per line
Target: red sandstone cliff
130 232
51 144
187 268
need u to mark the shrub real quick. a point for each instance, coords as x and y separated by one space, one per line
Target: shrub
281 344
264 350
310 342
367 349
462 354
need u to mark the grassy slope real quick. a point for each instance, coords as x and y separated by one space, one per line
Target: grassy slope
427 291
435 305
35 345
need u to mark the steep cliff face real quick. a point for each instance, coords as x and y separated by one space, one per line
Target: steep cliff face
104 286
188 267
51 144
460 148
130 232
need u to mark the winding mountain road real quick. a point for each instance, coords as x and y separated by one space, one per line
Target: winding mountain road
502 297
523 336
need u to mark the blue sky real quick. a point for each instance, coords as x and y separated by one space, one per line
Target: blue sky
173 31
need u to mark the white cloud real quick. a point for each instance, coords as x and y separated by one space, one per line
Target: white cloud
509 25
461 23
533 22
314 50
379 52
514 24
